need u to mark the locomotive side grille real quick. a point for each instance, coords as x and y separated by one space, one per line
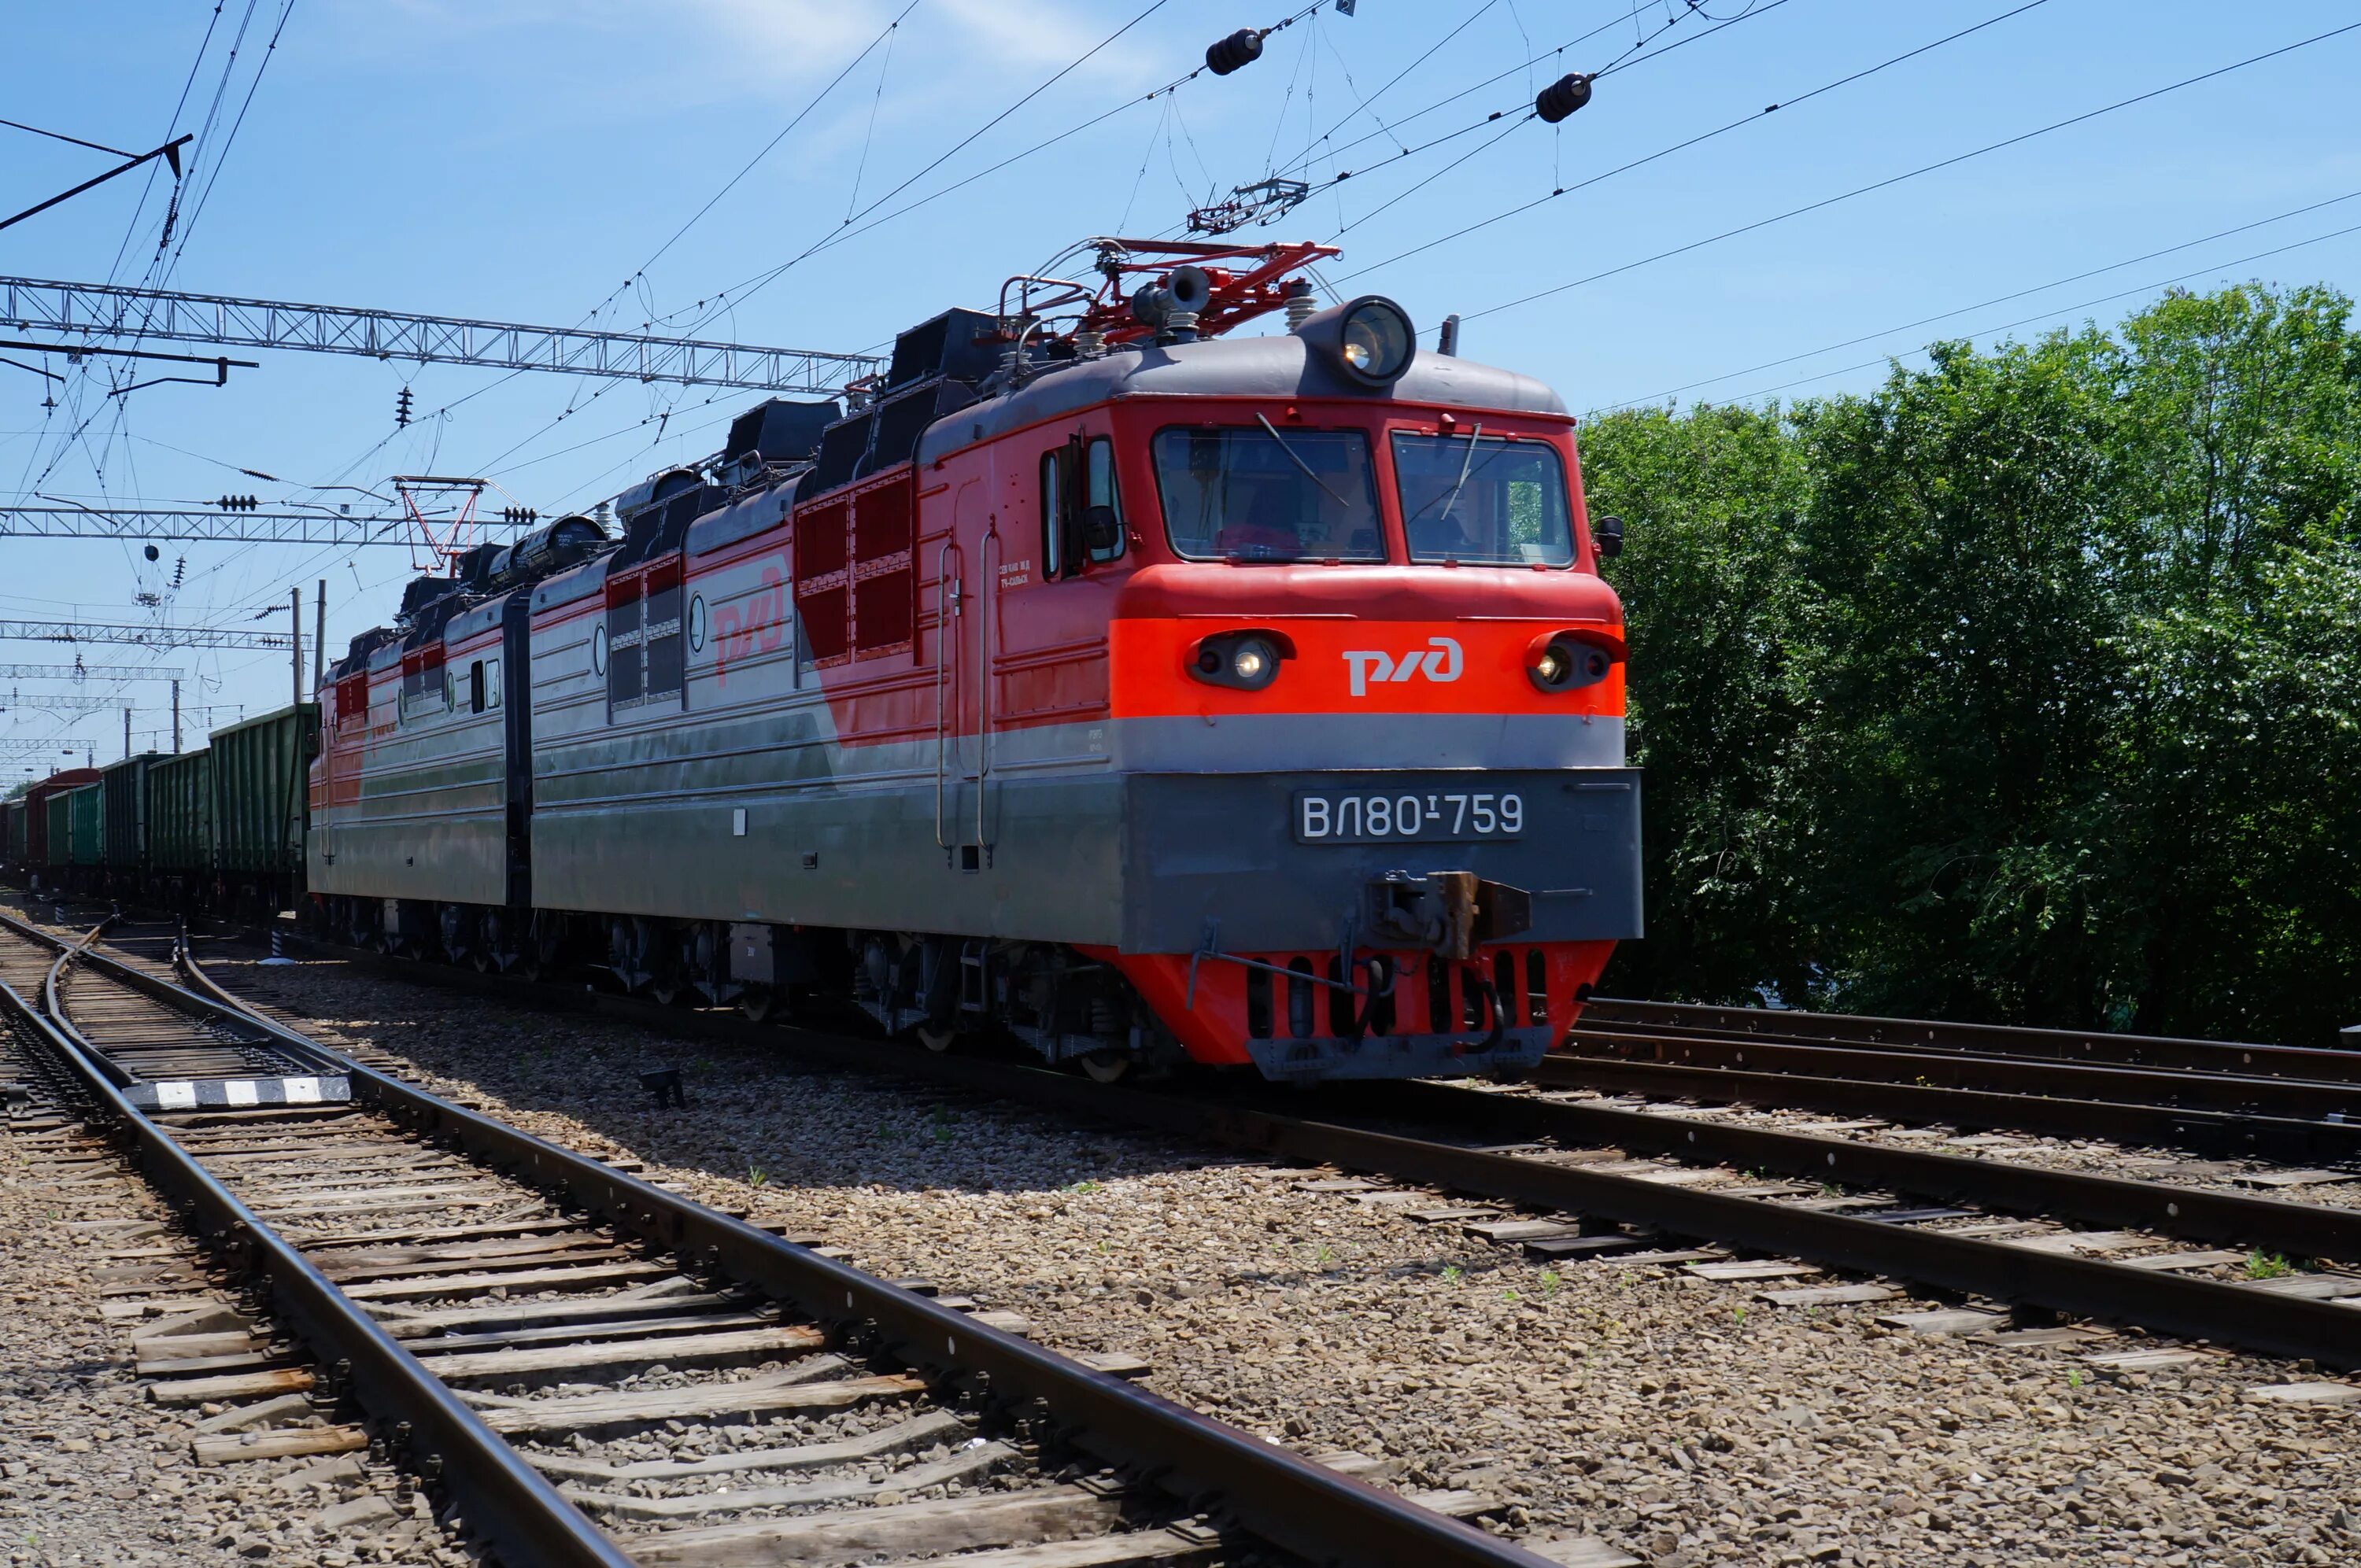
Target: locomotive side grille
823 585
885 584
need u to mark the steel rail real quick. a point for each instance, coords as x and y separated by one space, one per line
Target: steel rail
1274 1494
2158 1302
1616 1014
1957 1069
2271 1225
509 1503
2195 1129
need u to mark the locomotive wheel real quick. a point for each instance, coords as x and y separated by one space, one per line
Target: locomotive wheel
482 958
755 1002
1107 1067
666 990
934 1039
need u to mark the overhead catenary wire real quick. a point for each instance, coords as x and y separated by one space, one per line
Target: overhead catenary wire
1754 120
2001 300
1516 118
2214 270
1891 180
738 294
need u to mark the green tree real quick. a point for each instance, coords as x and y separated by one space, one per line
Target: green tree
2025 687
1710 588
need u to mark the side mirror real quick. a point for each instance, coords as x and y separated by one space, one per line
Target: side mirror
1102 530
1609 537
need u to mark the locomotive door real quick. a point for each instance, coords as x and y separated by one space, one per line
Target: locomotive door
963 640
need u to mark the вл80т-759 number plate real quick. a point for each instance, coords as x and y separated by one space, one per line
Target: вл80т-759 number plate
1406 816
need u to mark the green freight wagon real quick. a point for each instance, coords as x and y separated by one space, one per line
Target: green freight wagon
57 852
38 855
262 806
123 798
181 850
12 834
86 831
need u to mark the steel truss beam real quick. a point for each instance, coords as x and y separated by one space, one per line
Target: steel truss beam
244 527
52 702
16 751
103 310
140 636
88 672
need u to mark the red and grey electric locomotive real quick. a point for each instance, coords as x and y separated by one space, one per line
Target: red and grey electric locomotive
1098 677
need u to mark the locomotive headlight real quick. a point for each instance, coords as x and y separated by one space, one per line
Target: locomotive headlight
1369 339
1563 663
1244 660
1376 343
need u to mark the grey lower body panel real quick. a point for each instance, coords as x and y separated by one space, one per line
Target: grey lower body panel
1137 862
1205 848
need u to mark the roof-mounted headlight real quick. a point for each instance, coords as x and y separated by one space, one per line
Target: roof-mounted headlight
1369 339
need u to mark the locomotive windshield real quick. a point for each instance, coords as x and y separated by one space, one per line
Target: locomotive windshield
1483 501
1256 493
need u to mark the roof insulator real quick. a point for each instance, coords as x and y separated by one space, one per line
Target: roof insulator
1562 97
1241 47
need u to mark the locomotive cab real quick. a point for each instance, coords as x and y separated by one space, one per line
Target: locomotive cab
1364 693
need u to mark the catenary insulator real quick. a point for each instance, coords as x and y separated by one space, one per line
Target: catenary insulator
1562 97
1241 47
1300 303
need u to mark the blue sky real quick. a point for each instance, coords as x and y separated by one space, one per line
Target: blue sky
523 160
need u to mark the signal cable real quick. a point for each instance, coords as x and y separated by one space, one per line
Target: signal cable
60 135
1997 300
1914 173
1753 119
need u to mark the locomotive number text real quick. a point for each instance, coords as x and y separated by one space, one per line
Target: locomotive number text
1392 818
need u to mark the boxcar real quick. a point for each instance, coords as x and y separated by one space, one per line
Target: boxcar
182 859
86 831
40 815
123 800
57 852
261 806
12 834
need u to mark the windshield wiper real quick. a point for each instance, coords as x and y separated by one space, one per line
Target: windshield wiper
1263 420
1465 464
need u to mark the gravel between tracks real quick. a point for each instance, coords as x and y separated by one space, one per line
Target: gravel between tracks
1677 1418
90 1471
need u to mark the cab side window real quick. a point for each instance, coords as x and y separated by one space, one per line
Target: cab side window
1082 513
1053 513
1099 491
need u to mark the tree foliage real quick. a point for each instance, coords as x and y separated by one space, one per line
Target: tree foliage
2025 688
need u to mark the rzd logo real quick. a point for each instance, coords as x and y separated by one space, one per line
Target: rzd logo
1440 659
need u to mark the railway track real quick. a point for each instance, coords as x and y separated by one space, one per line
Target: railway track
592 1369
1610 1016
1573 1182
